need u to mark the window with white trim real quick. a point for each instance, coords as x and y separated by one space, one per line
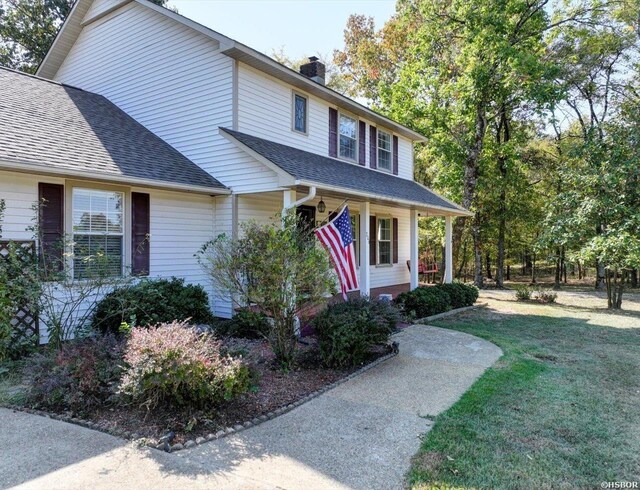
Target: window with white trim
98 233
384 241
348 137
300 113
384 150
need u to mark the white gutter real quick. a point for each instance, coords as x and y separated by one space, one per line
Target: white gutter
31 167
295 204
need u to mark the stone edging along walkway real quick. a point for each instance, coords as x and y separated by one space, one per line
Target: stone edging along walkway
426 319
210 437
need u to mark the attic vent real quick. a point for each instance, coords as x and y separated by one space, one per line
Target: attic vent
313 70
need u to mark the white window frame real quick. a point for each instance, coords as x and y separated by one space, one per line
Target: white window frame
355 225
380 149
295 94
379 220
70 186
357 142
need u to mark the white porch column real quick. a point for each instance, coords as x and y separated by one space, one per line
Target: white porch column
448 250
413 254
365 236
288 197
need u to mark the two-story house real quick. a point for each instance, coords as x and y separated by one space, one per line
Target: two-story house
178 133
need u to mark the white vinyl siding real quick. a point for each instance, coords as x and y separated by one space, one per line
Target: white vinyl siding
171 80
264 110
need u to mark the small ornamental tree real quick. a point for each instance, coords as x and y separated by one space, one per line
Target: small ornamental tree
278 268
616 251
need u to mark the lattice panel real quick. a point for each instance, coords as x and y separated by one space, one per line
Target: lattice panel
25 322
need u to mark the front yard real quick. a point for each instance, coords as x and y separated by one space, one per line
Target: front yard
560 409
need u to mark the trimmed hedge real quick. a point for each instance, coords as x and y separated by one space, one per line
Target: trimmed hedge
431 300
150 302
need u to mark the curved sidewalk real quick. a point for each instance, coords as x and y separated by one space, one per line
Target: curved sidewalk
360 435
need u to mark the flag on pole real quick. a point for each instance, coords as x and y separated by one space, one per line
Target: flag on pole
337 237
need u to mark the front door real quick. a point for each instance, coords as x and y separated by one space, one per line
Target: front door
306 218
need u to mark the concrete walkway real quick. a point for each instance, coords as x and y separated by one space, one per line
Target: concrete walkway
360 435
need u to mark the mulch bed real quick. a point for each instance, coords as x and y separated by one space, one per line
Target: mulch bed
274 388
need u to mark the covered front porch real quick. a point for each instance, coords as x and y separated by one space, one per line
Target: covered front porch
369 217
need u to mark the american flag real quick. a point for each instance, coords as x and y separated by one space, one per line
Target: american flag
337 237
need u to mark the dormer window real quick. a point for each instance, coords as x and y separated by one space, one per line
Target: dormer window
348 134
384 151
300 103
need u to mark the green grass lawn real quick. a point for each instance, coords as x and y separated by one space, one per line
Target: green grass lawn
560 409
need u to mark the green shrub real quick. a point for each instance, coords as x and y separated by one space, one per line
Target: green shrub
461 294
81 375
424 301
246 324
545 296
173 364
347 331
152 301
523 293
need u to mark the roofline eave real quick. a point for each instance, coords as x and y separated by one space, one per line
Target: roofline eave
441 210
41 169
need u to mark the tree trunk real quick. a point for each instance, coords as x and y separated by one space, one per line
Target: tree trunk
634 278
615 288
470 194
600 276
488 261
556 282
579 270
533 269
503 136
508 272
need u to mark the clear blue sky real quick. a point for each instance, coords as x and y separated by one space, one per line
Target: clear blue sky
301 27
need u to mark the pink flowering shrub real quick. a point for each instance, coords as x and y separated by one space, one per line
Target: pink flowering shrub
173 364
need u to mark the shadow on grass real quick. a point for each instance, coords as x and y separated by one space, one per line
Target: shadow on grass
560 409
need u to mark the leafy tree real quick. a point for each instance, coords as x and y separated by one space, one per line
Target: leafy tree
456 71
276 268
28 28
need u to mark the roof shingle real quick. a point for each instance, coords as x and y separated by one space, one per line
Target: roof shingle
318 169
65 128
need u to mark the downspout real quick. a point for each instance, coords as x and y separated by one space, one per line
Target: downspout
308 197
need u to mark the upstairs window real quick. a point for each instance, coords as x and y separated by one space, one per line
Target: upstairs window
348 133
98 233
384 150
299 113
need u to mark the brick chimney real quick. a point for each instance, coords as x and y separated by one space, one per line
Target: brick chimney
313 70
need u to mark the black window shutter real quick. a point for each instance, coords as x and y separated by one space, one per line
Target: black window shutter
395 155
373 241
51 226
395 240
140 230
362 143
333 132
373 147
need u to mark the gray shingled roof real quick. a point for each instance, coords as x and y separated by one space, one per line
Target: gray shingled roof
318 169
65 128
